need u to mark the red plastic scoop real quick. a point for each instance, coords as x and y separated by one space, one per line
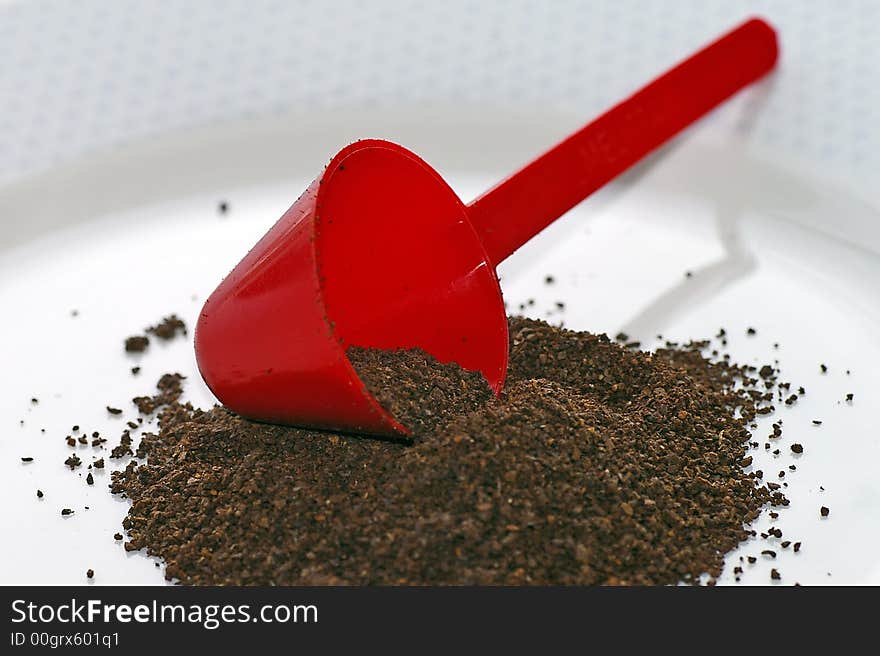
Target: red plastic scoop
380 252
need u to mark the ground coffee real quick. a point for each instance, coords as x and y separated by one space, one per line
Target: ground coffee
599 464
418 391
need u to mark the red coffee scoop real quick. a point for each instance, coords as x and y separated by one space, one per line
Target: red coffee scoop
380 252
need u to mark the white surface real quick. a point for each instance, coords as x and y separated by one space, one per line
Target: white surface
126 238
76 77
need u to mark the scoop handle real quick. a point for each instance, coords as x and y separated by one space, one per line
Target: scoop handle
518 208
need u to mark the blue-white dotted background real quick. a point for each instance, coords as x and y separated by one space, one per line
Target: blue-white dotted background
77 77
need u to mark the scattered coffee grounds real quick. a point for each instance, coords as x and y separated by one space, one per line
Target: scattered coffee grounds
114 411
73 461
168 328
90 573
124 447
796 546
99 464
417 390
774 574
137 344
117 536
169 391
66 511
797 448
824 511
598 464
90 480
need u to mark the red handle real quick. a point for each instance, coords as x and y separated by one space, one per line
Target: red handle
511 213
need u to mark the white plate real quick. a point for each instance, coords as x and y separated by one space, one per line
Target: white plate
127 237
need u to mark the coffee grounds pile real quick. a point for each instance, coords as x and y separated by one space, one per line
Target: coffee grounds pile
416 389
599 464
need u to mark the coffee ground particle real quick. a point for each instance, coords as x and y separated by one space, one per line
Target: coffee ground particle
66 512
796 547
90 480
168 328
797 448
39 494
117 536
114 411
27 459
124 447
597 465
824 510
137 343
90 573
774 574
